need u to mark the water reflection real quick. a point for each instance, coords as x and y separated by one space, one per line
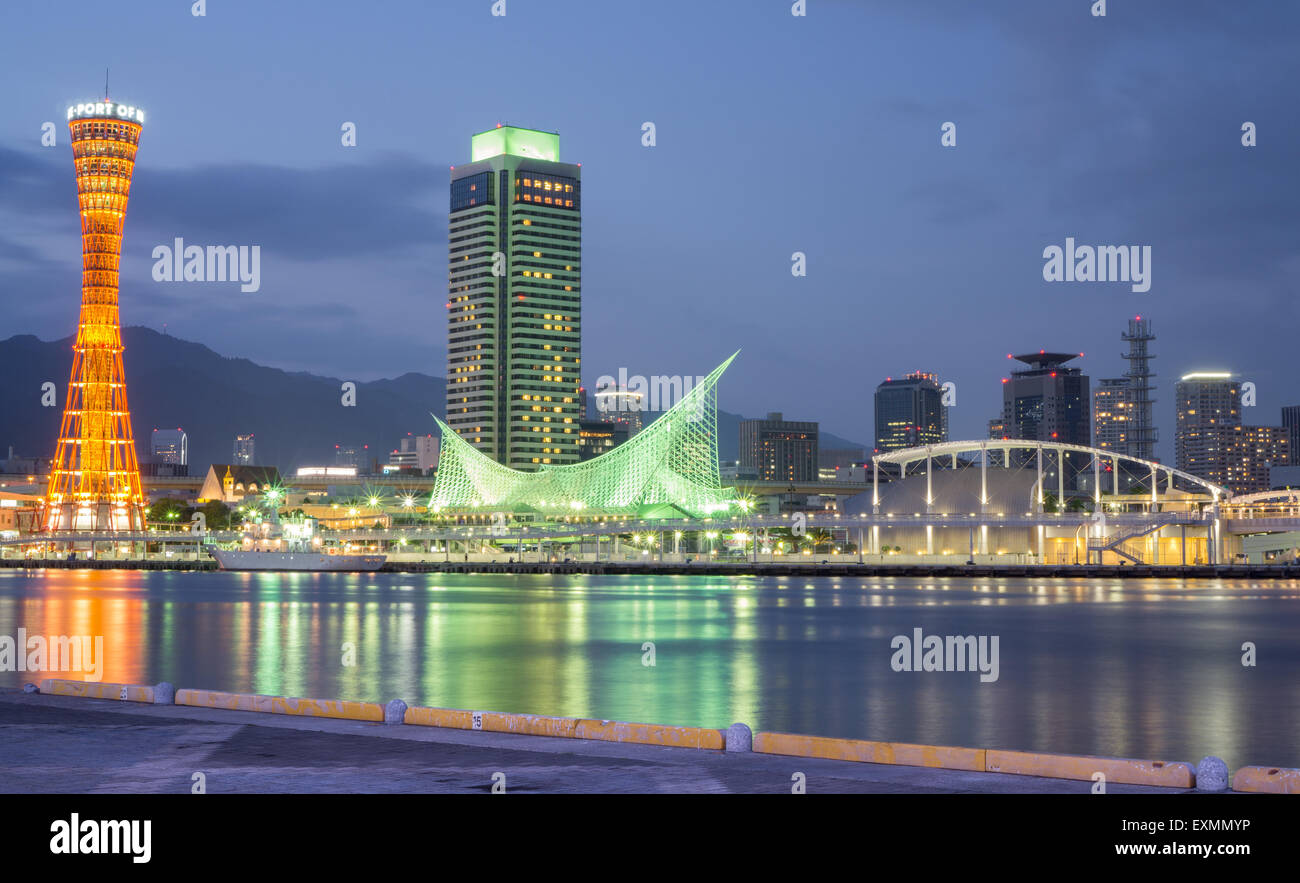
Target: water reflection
1149 668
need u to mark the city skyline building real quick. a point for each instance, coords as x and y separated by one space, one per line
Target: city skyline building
1253 452
1213 443
418 452
1206 404
245 450
95 478
169 446
622 406
1291 420
1112 414
1048 401
909 411
777 449
514 299
596 437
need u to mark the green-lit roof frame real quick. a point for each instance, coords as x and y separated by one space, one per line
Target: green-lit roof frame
671 464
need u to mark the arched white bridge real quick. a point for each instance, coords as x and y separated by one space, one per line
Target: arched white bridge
952 449
1287 497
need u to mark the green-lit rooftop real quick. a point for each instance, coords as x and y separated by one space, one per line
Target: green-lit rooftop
515 141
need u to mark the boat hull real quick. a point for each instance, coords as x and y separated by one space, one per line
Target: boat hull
240 559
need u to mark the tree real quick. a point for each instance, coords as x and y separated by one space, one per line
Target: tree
168 511
216 515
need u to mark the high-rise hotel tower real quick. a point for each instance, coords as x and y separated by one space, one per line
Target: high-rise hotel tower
514 299
95 479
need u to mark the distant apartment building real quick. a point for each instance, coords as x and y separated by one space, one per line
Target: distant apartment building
169 446
244 452
1252 455
1213 444
833 464
1208 407
909 412
355 455
1112 414
415 452
1291 420
622 406
776 449
168 454
596 437
16 465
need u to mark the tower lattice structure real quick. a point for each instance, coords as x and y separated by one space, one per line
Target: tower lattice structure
95 479
1143 434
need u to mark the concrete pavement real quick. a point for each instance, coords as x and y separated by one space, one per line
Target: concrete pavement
56 744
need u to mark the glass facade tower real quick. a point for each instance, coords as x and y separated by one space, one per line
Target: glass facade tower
514 300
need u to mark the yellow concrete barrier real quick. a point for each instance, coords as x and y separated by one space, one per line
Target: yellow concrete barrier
529 724
97 690
439 717
565 727
1267 779
650 734
1073 766
901 753
331 708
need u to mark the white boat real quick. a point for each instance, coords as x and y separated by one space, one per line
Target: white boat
292 546
254 559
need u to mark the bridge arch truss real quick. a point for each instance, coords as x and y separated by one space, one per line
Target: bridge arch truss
1040 450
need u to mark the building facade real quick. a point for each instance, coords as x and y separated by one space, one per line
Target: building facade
415 452
169 446
622 406
1112 415
244 453
777 449
1208 409
1291 420
514 299
909 411
596 437
1049 401
1253 452
231 483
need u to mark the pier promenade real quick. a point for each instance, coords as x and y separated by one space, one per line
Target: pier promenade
63 744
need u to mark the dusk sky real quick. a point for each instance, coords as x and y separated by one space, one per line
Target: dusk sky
775 134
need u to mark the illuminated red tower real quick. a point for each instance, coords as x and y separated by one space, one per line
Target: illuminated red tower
95 482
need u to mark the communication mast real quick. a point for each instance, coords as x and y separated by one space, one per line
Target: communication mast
1144 434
